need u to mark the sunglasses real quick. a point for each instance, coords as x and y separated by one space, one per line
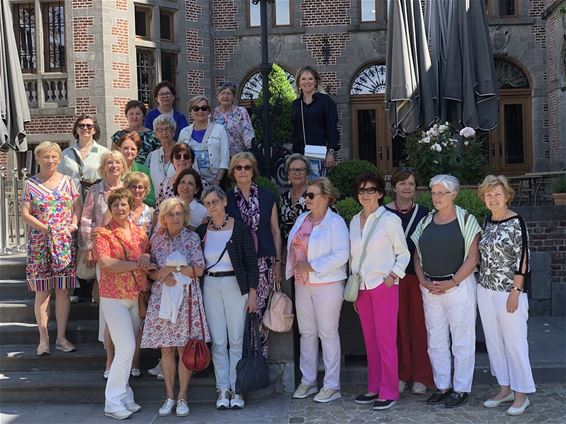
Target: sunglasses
367 190
184 156
243 167
311 195
197 108
86 126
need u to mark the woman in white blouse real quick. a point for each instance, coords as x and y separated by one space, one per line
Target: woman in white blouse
317 253
378 298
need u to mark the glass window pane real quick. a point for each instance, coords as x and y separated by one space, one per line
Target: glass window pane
507 7
54 36
168 67
146 75
255 18
514 137
366 135
369 13
282 12
24 30
142 22
165 23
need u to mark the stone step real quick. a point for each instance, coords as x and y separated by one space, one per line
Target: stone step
13 267
14 290
22 311
25 333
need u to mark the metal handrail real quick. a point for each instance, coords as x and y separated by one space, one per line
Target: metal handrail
12 228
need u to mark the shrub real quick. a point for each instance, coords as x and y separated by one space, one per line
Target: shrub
347 208
267 183
559 185
279 88
467 199
344 174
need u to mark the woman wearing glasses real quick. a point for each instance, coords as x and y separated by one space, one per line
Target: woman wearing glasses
129 145
381 232
317 253
255 206
445 259
414 363
293 202
208 140
165 96
233 118
159 161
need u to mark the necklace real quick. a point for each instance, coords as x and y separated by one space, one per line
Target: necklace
211 223
398 208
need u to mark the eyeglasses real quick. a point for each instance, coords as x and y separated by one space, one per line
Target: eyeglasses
175 214
211 203
367 190
243 168
164 130
295 171
165 94
86 126
439 194
197 108
185 156
310 195
134 187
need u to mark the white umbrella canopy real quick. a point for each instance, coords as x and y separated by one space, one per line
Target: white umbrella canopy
465 86
14 109
409 79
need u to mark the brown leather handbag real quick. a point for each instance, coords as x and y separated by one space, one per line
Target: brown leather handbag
196 356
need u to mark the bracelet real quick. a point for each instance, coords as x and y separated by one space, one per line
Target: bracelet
517 288
277 260
455 283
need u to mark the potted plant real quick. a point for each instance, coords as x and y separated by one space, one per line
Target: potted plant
559 191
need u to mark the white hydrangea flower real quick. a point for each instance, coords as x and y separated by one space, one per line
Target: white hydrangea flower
442 129
425 140
466 143
467 132
436 147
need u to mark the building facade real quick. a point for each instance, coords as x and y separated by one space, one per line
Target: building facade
92 56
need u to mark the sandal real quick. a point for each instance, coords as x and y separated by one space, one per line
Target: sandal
66 346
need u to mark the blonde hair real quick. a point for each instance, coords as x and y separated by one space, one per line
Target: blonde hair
237 158
168 205
195 100
326 188
136 178
490 182
46 146
114 155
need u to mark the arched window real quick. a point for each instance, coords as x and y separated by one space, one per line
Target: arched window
253 85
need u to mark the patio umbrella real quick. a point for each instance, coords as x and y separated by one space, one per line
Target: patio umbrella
466 90
408 91
14 110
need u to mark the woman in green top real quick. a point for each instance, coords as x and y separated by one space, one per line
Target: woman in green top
129 145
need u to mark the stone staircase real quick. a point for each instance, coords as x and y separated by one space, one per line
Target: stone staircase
67 377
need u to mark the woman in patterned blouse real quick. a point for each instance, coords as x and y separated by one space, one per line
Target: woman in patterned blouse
502 298
293 202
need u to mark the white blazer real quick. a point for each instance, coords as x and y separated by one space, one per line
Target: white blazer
328 250
216 140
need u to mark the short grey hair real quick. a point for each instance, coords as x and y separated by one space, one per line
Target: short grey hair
211 189
164 120
449 182
297 156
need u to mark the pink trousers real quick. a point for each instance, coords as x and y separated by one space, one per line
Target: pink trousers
378 310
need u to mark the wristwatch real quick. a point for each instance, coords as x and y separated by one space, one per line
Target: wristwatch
178 268
330 150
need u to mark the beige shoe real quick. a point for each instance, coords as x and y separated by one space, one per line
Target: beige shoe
514 411
418 388
304 391
327 395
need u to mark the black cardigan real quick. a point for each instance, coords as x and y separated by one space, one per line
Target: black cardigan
241 250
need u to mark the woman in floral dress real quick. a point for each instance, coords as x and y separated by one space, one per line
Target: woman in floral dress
51 210
179 261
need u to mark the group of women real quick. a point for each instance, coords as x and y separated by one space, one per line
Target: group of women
150 217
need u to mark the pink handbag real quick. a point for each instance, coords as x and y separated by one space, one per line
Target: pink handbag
279 315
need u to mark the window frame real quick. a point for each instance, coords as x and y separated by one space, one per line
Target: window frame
380 12
148 10
516 5
274 15
171 17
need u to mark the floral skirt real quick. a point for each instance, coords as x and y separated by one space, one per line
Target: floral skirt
265 286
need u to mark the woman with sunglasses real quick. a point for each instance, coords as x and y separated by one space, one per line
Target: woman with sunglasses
165 95
129 145
414 363
233 118
135 114
379 231
446 257
208 140
317 254
255 206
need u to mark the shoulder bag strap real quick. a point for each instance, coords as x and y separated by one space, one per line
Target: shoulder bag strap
220 257
126 257
79 162
190 300
303 122
370 233
412 220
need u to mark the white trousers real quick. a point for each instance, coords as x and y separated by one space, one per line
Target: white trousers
123 323
225 308
318 315
452 315
506 339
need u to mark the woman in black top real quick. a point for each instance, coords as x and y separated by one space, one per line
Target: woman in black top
414 363
315 119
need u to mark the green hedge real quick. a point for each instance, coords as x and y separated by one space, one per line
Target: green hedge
348 207
344 174
467 199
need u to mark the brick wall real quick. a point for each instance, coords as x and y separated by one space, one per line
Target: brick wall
325 12
224 14
120 30
122 79
81 4
336 42
192 9
83 74
81 36
223 48
194 43
61 124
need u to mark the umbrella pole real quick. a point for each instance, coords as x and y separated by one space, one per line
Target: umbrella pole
3 226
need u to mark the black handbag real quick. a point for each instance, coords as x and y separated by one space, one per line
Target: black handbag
252 372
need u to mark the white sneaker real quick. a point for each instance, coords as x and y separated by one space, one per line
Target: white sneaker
182 408
402 386
119 415
75 299
327 395
155 370
223 401
304 391
167 408
133 407
237 402
418 388
106 374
